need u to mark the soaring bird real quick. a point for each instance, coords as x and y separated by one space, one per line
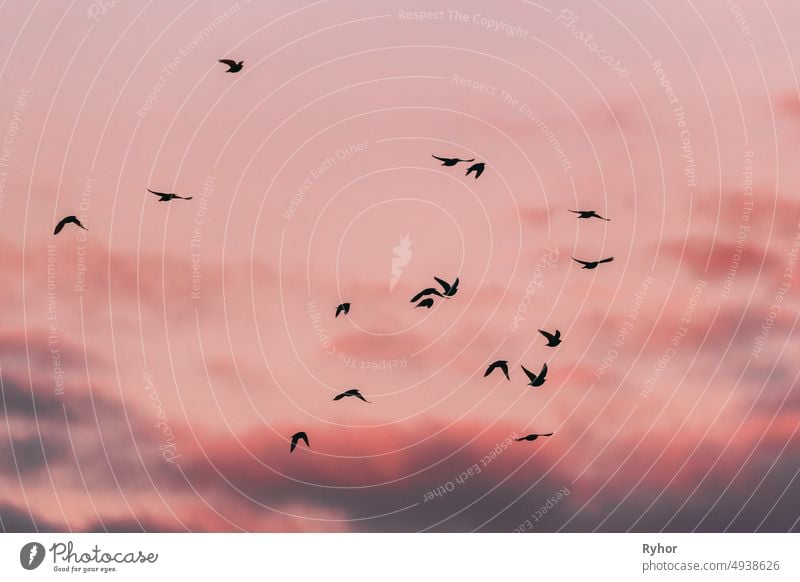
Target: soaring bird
351 392
592 264
553 339
424 292
502 364
233 66
67 220
535 380
344 307
533 437
588 214
449 290
297 437
451 161
477 168
426 303
167 197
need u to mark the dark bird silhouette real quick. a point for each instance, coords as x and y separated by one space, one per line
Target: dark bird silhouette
451 161
553 339
164 197
351 392
477 168
535 380
449 290
67 220
424 292
592 264
426 303
588 214
502 364
533 437
233 66
344 307
298 436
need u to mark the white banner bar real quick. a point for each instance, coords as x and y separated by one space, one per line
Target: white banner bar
422 557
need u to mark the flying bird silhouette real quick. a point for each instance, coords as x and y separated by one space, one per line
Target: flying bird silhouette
592 264
533 437
426 303
233 66
588 214
298 436
451 161
351 392
67 220
449 290
424 292
535 379
164 197
501 364
344 307
553 339
477 168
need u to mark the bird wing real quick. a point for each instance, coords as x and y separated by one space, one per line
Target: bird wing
445 285
339 396
608 260
60 225
548 434
339 310
304 436
543 373
491 368
425 303
295 438
557 334
228 62
454 287
548 336
575 211
428 291
357 394
479 171
529 374
441 159
580 261
162 194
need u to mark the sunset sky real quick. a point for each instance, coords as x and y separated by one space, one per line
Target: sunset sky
155 366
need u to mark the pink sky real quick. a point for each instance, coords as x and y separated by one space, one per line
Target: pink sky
154 368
